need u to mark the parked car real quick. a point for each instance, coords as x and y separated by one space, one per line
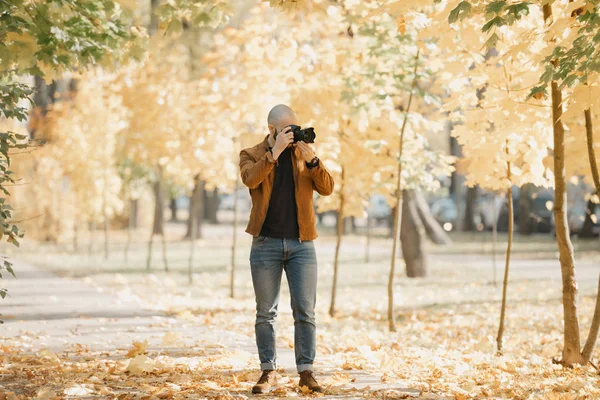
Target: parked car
379 210
445 212
577 218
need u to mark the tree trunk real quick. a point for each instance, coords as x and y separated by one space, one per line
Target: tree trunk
76 233
105 216
153 28
340 233
164 251
411 237
495 235
211 206
368 239
458 190
390 222
572 346
589 130
134 211
588 349
234 237
106 234
398 205
149 257
92 229
173 208
159 207
194 222
526 195
196 208
507 265
130 227
434 231
469 224
587 230
158 222
595 327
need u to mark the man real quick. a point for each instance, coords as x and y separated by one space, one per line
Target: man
281 176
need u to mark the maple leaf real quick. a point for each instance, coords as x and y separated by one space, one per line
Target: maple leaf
141 364
138 349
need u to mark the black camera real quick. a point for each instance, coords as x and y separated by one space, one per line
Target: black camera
305 135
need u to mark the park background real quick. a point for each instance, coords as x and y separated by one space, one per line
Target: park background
124 121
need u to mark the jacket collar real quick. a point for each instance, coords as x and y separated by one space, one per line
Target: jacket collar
265 142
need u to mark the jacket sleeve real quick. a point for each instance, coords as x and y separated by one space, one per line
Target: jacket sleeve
322 180
253 173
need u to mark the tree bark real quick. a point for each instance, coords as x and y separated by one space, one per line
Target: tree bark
149 257
411 237
469 224
507 265
153 28
572 346
211 206
587 230
159 207
525 204
398 205
589 130
196 209
434 231
173 208
458 190
586 354
593 334
340 233
495 236
158 222
134 211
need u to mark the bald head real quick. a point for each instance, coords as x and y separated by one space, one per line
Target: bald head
279 112
279 117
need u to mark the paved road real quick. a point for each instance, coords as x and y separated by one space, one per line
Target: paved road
44 310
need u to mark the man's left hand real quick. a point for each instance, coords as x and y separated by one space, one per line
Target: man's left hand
307 151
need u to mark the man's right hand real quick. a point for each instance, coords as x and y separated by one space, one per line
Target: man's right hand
284 139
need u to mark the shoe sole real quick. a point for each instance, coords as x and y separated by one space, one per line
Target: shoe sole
267 392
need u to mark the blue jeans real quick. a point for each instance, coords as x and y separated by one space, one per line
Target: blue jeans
269 257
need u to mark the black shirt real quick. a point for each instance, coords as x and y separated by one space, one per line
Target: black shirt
282 214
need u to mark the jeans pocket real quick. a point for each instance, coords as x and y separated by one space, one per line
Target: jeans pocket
259 239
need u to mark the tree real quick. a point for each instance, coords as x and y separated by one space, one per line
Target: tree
44 40
566 61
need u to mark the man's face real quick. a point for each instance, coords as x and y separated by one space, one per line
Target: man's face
282 123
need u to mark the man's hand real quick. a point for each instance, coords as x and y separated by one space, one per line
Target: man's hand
307 151
284 138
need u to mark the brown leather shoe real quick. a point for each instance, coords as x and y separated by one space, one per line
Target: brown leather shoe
307 378
267 379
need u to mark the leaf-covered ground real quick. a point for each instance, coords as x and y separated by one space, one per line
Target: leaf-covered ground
112 330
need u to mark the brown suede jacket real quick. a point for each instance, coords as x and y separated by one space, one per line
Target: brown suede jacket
257 168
